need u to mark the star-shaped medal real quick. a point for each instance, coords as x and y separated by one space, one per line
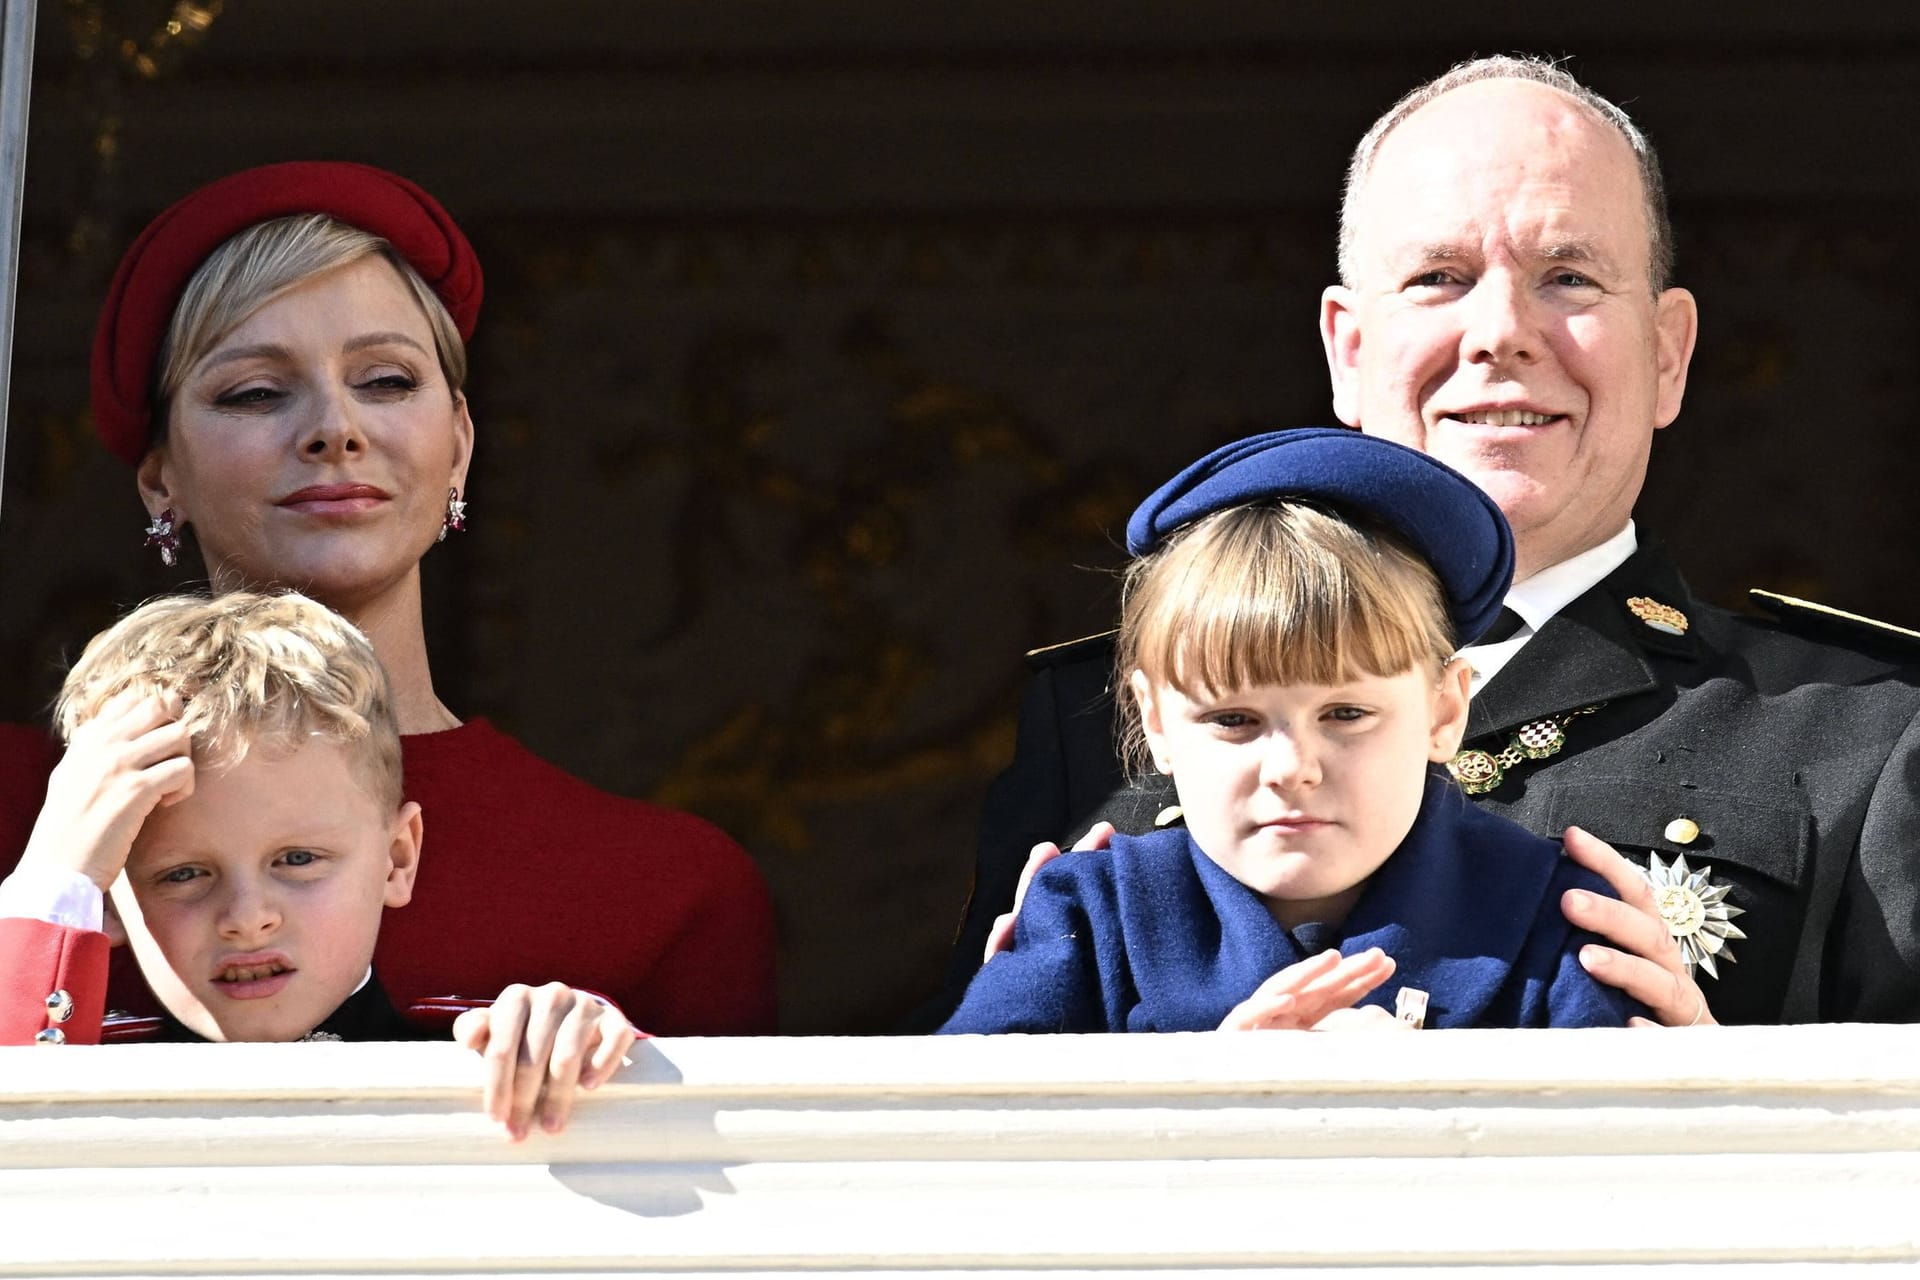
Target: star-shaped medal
1696 912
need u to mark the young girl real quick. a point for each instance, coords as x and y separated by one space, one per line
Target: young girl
1285 652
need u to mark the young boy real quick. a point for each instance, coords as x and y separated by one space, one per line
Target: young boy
233 780
1286 653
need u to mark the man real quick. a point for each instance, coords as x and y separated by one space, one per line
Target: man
1505 305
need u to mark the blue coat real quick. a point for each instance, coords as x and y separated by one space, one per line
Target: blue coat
1151 935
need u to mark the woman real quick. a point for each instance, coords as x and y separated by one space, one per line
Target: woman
281 358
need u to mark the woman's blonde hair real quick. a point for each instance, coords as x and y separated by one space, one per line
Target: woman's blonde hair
255 266
271 671
1274 593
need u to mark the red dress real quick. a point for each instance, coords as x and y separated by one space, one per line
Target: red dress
527 874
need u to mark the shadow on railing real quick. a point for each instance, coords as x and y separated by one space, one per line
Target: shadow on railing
1532 1150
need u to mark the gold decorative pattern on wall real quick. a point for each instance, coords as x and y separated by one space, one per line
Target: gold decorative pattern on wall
850 501
118 43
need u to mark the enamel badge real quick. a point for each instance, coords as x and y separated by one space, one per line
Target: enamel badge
1479 772
1696 912
1661 617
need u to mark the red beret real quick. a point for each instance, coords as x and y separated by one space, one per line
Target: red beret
156 269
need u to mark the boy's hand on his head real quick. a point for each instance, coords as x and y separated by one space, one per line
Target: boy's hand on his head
131 758
1302 995
1000 937
1644 961
538 1044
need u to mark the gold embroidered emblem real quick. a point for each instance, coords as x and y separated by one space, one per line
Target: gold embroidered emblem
1479 772
1696 912
1661 617
1476 771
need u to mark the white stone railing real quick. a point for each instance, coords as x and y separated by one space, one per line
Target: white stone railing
1707 1148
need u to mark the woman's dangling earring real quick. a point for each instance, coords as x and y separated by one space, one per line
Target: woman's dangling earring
162 534
456 517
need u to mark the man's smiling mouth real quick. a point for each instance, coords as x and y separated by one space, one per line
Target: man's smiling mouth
1505 418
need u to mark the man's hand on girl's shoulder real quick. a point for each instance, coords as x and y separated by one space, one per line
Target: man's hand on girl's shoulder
1000 936
1643 960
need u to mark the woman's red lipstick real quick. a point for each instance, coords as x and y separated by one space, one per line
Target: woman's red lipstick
334 499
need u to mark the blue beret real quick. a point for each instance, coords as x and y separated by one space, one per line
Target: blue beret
1441 514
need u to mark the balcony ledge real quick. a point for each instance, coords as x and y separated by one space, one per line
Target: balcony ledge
1705 1149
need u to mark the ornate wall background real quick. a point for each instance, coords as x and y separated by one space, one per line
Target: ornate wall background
827 347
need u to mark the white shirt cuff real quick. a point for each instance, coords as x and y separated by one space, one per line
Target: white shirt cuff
57 897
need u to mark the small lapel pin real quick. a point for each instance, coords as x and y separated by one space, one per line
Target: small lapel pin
1661 617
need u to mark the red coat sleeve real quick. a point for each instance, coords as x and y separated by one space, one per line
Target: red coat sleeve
41 963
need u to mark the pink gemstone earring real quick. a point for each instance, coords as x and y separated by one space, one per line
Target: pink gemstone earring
161 534
456 517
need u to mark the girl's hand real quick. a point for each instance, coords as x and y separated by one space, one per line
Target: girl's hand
1368 1017
1302 995
131 758
538 1044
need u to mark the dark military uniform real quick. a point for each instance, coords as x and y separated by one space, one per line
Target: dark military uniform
1790 768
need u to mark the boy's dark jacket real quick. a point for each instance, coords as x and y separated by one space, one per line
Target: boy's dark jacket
53 978
1151 935
365 1015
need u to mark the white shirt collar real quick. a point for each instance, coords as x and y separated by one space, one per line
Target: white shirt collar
1557 586
1546 593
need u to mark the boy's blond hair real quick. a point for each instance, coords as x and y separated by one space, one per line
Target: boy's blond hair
254 670
1274 593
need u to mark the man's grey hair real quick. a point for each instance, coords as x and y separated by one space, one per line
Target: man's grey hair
1539 71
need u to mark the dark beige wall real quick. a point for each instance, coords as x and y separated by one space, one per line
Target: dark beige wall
827 346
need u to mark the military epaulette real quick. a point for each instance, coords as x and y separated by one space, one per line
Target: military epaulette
1052 655
1837 626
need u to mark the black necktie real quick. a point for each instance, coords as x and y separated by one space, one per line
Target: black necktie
1505 627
